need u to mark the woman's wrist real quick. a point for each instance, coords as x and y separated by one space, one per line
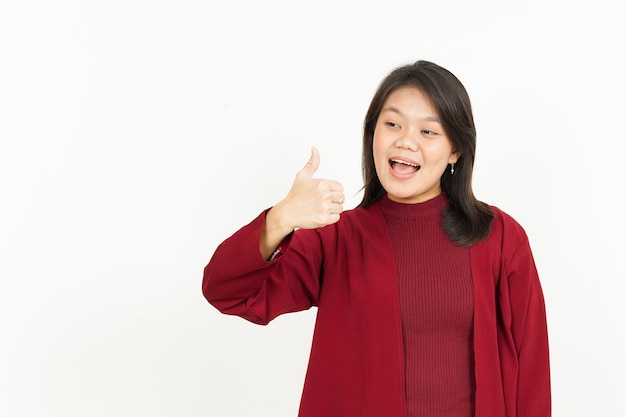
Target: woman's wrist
274 231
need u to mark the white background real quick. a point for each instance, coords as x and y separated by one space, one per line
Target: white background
137 135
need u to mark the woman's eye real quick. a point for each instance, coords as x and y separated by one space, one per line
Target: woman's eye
392 124
429 132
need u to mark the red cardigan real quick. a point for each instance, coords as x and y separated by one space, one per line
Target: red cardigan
347 270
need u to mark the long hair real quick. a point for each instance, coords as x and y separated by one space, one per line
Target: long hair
466 221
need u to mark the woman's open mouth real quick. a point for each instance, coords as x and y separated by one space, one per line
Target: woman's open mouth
404 167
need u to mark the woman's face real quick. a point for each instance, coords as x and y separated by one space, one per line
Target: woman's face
411 149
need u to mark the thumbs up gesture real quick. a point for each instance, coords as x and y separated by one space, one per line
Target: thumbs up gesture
311 203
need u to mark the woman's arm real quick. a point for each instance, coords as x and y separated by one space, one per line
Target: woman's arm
247 275
530 335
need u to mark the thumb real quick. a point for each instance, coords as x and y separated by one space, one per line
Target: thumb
311 166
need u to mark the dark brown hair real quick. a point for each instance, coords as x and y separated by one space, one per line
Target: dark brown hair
466 221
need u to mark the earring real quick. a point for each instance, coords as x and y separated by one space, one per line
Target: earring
452 169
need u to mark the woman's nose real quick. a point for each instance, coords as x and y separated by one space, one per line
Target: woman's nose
408 140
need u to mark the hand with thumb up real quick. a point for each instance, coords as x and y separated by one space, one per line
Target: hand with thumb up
311 203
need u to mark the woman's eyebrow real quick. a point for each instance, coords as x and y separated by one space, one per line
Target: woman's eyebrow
391 109
396 110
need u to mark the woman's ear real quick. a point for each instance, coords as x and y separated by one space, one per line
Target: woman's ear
454 157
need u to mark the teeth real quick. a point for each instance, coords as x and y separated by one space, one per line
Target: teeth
405 163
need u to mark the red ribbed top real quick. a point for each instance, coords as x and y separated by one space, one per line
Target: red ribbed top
436 305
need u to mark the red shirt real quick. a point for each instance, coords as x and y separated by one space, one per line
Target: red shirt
356 367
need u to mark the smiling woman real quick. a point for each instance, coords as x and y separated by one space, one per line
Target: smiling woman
411 148
429 303
431 103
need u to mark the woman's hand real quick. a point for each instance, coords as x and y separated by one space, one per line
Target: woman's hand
311 203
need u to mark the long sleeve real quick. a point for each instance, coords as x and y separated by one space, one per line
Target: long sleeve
238 281
510 330
530 335
347 270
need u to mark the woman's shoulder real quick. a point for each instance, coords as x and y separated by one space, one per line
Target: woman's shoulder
506 220
362 212
505 231
357 220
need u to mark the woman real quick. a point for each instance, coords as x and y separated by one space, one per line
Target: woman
429 303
